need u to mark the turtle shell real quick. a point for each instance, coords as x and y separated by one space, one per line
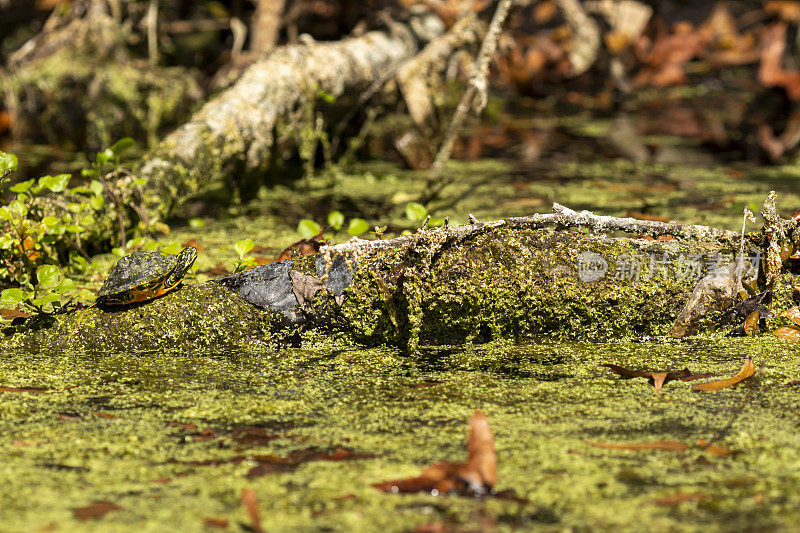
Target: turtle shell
144 275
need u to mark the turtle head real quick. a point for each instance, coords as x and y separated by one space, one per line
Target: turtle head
186 259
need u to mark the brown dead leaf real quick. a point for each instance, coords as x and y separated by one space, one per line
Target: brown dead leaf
714 449
219 523
668 445
24 389
11 314
751 323
788 333
657 379
793 314
194 244
475 477
677 499
747 370
95 510
482 459
250 503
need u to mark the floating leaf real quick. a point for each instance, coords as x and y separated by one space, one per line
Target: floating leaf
219 523
24 389
250 503
475 477
751 323
95 510
747 370
714 449
676 499
787 333
657 379
793 314
669 445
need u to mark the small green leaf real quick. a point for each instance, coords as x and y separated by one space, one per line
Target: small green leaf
87 220
50 221
65 285
18 208
96 202
435 222
416 212
307 228
325 95
55 183
5 213
197 223
22 186
8 162
89 173
75 228
96 187
357 226
243 246
46 299
47 275
336 220
12 297
121 145
104 156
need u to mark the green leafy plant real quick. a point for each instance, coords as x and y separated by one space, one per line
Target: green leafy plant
49 293
42 222
308 228
109 179
416 212
243 247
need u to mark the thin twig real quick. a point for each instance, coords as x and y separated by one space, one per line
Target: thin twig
477 85
562 218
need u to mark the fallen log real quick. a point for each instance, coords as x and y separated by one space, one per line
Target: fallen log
518 278
236 129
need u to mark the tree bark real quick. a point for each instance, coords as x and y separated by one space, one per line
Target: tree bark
236 129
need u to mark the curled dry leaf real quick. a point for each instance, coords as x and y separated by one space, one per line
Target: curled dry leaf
747 370
751 323
788 333
669 445
666 445
250 503
657 379
714 449
475 477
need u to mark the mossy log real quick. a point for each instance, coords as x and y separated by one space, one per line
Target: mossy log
236 130
517 279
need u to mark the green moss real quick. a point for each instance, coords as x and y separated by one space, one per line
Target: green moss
59 450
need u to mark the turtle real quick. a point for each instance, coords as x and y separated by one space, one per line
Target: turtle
143 276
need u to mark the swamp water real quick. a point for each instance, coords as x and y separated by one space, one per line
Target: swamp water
168 442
